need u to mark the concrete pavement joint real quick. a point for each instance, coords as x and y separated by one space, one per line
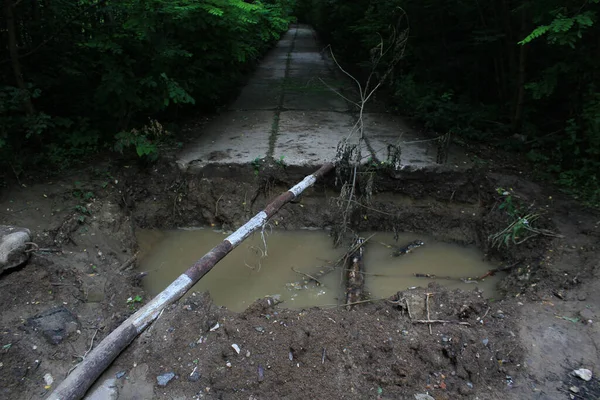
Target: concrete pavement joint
283 113
276 117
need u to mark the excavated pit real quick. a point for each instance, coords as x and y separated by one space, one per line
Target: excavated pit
379 347
454 206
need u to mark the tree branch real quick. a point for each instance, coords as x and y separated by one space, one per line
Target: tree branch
48 40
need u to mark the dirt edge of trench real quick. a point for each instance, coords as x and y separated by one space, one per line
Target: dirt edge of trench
60 303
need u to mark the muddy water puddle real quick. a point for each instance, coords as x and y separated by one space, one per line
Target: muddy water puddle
250 271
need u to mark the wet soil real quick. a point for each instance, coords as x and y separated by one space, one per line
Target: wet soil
69 297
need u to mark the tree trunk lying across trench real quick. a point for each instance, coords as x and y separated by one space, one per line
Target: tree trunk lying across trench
79 381
354 271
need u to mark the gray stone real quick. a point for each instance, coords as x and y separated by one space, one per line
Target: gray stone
423 396
55 324
574 389
12 246
164 379
587 314
583 373
194 376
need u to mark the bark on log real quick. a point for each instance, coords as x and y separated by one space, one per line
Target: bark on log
79 381
355 278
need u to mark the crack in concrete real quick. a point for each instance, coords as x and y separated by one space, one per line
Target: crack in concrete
279 109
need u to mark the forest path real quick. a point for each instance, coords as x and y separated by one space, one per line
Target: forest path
288 112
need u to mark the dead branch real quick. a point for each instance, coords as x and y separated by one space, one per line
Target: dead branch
427 306
127 265
36 248
318 282
64 26
355 280
85 354
439 321
492 272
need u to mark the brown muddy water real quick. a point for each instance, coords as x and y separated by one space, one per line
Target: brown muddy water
252 271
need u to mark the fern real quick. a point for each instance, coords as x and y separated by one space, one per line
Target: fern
559 30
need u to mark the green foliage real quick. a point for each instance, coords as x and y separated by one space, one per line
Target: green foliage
132 302
144 141
521 221
563 30
93 69
509 204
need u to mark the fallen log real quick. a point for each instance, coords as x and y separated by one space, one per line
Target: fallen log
355 279
339 263
79 381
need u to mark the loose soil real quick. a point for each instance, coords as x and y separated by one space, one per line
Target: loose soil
68 299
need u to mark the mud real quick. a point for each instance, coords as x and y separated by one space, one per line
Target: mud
521 346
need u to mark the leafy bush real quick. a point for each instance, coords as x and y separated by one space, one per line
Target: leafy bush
89 69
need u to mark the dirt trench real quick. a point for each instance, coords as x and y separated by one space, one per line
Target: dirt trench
66 299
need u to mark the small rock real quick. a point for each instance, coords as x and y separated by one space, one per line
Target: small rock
587 314
583 373
470 385
164 379
445 339
236 348
120 374
48 379
56 324
215 327
582 296
228 364
485 342
277 298
465 390
194 376
261 373
12 246
247 353
574 389
423 396
259 329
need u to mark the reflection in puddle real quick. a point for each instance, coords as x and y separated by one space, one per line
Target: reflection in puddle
250 271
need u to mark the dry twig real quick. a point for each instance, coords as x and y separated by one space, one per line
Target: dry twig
438 321
85 354
427 305
308 276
